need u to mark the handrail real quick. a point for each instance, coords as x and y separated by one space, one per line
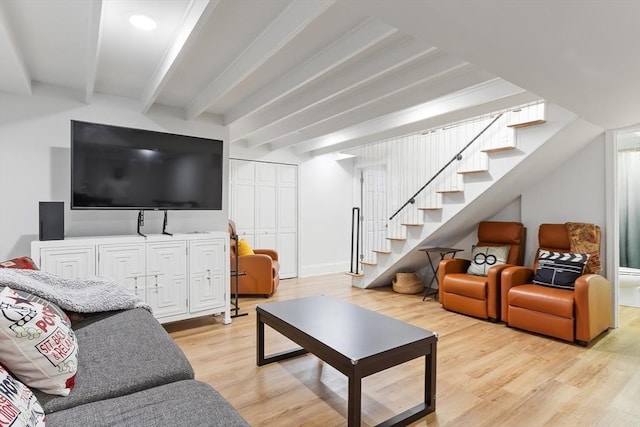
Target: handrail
355 221
458 156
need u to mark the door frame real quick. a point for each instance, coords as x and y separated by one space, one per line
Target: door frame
612 217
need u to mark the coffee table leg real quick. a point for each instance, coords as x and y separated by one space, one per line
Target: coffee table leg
430 379
261 359
354 401
260 344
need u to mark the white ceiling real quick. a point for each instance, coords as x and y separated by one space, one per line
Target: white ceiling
325 75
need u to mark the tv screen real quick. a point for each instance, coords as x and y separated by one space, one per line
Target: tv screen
123 168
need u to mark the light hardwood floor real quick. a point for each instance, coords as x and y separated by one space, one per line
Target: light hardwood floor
488 374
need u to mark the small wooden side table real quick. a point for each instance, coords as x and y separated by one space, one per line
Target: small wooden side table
443 253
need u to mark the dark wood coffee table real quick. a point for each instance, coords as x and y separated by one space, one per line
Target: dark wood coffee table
356 341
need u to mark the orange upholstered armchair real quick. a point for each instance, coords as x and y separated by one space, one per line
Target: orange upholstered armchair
472 287
259 270
554 297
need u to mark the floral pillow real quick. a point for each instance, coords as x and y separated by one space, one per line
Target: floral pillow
18 406
38 345
24 262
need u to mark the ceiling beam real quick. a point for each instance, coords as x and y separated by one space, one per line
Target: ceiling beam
15 77
94 41
358 40
311 138
390 59
401 89
195 18
293 20
399 121
436 121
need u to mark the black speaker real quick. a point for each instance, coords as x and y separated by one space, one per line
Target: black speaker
51 220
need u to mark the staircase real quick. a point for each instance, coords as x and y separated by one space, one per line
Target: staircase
472 188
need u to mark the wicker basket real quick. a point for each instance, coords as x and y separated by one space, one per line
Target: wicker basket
407 283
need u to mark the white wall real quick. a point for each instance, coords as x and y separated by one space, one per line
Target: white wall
35 166
512 212
325 215
573 192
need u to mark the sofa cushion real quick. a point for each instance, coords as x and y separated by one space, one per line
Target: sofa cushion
122 352
485 257
542 299
38 344
559 269
183 403
18 406
467 285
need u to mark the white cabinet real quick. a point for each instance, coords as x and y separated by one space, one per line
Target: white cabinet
155 271
166 278
264 207
76 261
180 276
125 264
207 274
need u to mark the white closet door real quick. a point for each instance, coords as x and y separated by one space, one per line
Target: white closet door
288 220
243 199
266 205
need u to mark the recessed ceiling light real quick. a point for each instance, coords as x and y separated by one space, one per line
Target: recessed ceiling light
637 133
143 22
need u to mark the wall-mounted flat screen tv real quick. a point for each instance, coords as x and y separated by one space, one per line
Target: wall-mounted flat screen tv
116 167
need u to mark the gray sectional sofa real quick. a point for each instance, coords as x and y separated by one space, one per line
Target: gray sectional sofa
131 373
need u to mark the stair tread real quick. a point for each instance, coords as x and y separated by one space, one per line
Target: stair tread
527 124
348 273
497 149
368 262
430 209
380 251
448 191
464 172
414 224
397 238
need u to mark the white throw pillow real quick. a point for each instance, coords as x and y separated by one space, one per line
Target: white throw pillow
38 345
18 406
485 257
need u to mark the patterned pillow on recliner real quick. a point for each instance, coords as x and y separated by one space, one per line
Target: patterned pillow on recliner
485 257
559 269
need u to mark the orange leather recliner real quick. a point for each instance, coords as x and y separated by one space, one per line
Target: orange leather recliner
259 273
579 314
476 295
